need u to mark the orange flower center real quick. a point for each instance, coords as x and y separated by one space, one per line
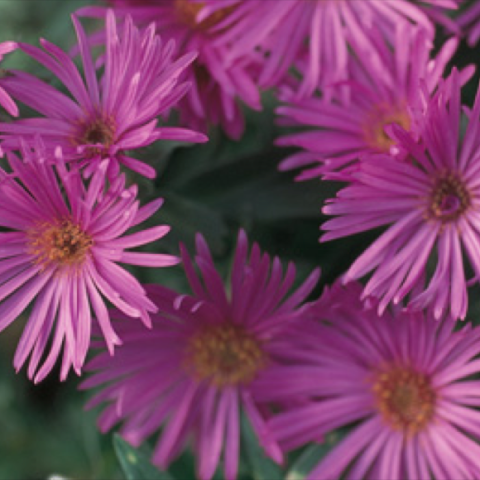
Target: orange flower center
404 398
224 354
187 11
449 198
378 118
62 243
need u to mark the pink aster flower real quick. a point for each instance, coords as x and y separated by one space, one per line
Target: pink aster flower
61 244
404 383
5 100
218 89
356 121
430 206
107 117
198 368
320 30
469 23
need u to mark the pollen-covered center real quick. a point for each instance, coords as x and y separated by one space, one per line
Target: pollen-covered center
449 198
376 121
224 354
188 10
59 244
97 131
405 398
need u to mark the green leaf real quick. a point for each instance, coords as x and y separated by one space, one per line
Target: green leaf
262 467
310 457
136 464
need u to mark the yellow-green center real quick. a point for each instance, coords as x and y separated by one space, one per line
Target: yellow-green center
404 398
59 243
224 354
376 121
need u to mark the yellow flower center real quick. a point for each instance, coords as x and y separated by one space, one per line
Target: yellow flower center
404 398
378 118
62 243
224 354
449 198
188 10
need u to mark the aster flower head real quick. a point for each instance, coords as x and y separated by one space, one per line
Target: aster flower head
106 117
62 241
217 89
429 206
353 119
5 100
404 382
331 27
197 369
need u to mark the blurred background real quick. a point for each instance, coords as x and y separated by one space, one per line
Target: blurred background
215 189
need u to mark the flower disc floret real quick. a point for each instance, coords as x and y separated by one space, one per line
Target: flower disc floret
382 116
449 198
60 242
405 398
224 355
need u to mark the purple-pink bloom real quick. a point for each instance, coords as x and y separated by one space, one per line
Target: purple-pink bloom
428 203
106 117
5 100
318 32
339 131
61 243
197 370
218 89
405 383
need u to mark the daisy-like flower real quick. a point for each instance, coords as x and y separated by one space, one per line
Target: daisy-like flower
469 23
404 382
355 122
61 245
217 89
197 369
5 100
328 28
102 118
430 204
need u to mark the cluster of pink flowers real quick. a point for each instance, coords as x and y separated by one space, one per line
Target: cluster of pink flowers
368 103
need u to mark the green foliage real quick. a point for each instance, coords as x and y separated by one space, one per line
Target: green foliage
311 456
135 463
260 466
